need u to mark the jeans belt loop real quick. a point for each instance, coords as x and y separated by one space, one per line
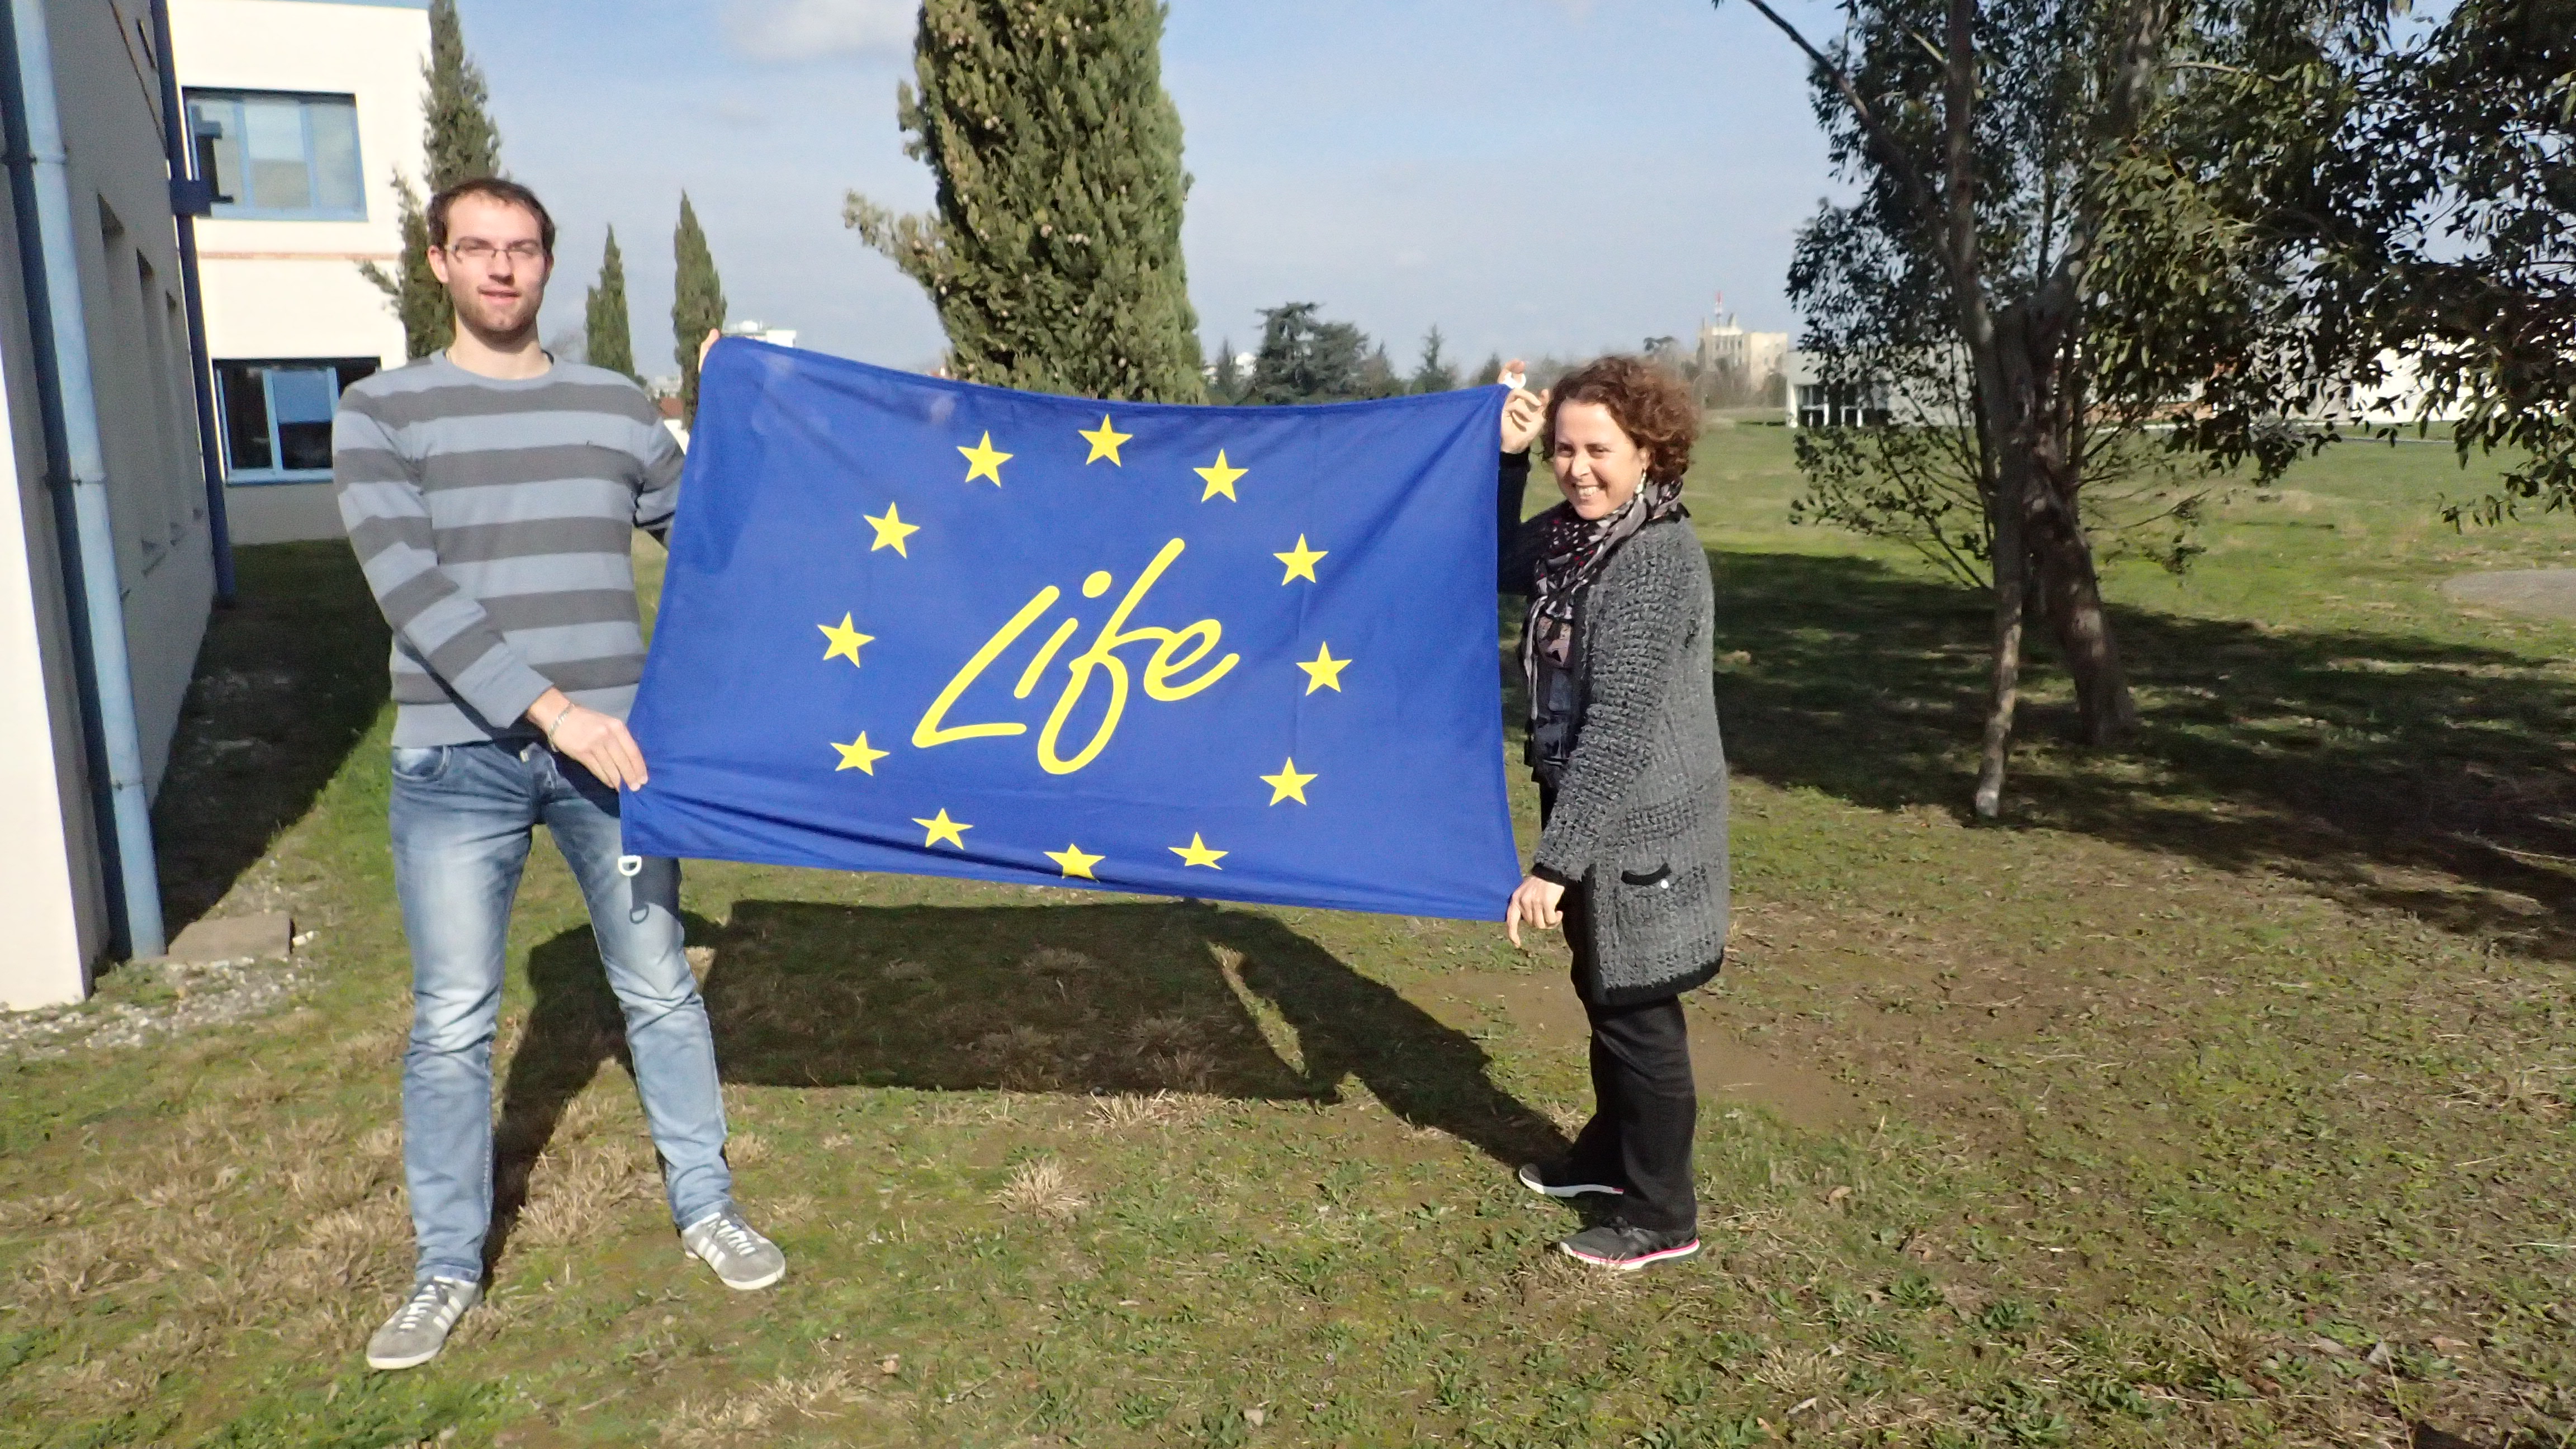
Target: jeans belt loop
637 907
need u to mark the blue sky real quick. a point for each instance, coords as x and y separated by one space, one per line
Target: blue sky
1530 175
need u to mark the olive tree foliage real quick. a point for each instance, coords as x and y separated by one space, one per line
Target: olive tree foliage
2480 293
1052 250
2357 212
1903 457
1999 149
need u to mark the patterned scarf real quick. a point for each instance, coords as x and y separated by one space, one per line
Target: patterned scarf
1574 553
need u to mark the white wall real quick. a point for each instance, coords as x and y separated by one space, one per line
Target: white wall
129 274
52 904
125 253
286 289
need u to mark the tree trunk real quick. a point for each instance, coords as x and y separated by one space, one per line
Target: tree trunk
2070 592
2010 551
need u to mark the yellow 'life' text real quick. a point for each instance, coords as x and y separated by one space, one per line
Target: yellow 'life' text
1176 651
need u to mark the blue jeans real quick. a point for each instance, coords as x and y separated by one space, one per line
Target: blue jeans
462 820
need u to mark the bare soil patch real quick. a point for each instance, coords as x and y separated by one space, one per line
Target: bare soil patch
2550 593
1543 1009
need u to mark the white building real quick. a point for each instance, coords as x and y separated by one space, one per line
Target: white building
301 112
1752 356
107 540
759 331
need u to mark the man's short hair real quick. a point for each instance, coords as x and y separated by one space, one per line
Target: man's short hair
495 188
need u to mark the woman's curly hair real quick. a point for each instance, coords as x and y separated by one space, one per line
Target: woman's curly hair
1653 407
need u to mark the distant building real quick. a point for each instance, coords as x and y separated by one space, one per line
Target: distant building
301 112
1812 404
759 331
1751 356
107 535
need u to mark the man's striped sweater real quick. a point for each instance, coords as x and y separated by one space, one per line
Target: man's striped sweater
494 518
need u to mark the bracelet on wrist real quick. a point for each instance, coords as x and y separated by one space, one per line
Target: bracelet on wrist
557 722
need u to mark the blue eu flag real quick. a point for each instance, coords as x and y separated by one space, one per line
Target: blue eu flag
923 626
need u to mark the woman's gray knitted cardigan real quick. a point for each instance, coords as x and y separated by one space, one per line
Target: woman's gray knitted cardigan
1638 828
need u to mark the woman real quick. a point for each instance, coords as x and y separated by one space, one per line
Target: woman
1624 744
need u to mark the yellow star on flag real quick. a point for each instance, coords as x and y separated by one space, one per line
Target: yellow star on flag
1324 671
1220 478
1301 564
942 828
984 461
1075 863
1104 443
1288 784
845 641
857 756
891 531
1197 853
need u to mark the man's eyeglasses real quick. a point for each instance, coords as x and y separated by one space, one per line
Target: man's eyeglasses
478 251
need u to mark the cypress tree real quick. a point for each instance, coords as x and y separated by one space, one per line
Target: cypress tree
457 135
1435 373
458 140
1225 380
697 303
607 338
1053 249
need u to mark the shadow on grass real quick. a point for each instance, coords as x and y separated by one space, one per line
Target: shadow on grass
287 682
2383 767
1081 999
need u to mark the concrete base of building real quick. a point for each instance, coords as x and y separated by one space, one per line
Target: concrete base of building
281 512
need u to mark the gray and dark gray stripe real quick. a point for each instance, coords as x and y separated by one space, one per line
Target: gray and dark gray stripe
494 520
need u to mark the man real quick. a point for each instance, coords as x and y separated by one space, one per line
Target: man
492 493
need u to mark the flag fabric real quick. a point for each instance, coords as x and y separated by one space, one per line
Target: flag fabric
922 626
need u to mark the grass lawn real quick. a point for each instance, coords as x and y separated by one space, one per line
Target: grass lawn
2221 1096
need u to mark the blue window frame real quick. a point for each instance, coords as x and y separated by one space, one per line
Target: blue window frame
277 416
278 156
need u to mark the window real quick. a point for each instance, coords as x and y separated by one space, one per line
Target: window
1820 406
281 157
277 416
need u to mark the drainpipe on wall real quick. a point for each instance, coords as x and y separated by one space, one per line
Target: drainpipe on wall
192 196
76 472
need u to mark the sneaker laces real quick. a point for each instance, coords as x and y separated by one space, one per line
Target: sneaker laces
736 1235
425 1302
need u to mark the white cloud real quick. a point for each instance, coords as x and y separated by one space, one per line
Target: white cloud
812 29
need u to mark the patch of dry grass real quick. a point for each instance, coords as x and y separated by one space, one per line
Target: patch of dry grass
1132 1110
1042 1188
761 1410
579 1192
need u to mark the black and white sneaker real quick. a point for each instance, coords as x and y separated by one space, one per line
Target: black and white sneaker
1559 1179
1627 1249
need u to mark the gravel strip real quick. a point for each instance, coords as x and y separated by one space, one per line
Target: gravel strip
199 994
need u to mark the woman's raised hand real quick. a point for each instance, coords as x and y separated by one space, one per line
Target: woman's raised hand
1523 412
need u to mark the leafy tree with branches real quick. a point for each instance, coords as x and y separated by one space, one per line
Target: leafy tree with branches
2017 173
1304 359
2480 288
459 141
1053 248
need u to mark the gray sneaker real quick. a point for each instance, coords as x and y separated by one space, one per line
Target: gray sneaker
741 1257
418 1329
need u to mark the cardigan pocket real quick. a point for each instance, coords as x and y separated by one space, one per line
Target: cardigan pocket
1654 907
